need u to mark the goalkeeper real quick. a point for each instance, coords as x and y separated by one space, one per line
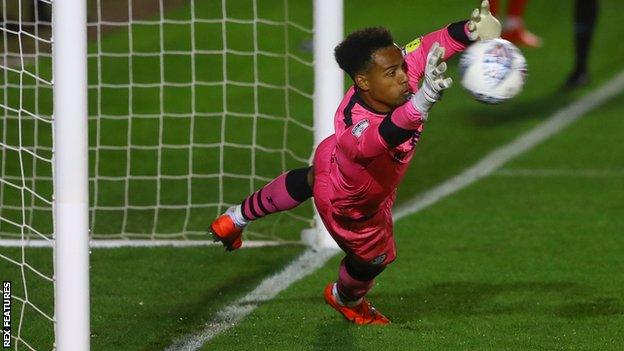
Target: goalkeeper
356 170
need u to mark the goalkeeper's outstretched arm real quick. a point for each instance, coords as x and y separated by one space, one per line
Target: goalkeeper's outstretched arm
454 38
361 143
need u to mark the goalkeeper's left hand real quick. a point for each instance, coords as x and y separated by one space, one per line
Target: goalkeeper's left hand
434 81
482 25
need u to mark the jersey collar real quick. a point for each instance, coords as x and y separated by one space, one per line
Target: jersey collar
359 100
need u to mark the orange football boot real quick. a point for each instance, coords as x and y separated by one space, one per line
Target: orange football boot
363 313
521 36
224 230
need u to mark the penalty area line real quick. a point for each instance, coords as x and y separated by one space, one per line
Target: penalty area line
311 260
229 316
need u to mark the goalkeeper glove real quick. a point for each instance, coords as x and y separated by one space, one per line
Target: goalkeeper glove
434 81
482 25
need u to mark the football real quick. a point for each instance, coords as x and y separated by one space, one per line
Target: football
493 70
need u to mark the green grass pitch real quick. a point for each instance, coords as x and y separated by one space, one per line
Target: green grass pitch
517 261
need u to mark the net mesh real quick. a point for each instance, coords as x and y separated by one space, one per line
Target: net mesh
26 168
192 106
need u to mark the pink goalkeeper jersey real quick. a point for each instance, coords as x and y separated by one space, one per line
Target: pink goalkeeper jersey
364 170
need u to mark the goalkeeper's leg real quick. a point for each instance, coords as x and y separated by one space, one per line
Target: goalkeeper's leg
355 279
283 193
514 29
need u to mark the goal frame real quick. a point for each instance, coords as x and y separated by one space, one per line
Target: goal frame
70 153
328 92
71 175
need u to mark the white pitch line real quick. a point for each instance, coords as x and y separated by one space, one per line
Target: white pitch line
229 316
307 263
495 159
114 244
540 172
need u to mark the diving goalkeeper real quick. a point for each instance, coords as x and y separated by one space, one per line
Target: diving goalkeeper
356 171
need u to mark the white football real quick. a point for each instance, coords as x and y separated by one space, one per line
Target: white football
493 70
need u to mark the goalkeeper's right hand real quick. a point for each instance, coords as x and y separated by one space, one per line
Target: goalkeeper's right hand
434 81
482 24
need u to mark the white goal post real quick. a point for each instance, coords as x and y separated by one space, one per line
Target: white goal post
328 89
71 175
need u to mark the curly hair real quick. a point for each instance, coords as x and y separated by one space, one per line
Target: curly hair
354 53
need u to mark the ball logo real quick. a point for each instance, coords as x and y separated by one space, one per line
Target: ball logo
493 70
497 63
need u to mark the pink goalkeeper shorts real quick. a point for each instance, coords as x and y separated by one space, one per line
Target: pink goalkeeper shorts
369 240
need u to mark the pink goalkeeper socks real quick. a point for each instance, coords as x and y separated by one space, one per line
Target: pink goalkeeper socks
349 288
273 197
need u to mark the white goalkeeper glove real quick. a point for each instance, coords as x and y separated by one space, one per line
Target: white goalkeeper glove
482 24
434 81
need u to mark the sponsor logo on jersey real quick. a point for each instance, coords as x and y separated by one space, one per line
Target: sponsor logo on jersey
379 259
411 46
359 128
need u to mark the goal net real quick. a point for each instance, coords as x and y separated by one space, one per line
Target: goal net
26 170
192 106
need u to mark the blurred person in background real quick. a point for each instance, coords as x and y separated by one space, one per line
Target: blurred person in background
513 27
584 23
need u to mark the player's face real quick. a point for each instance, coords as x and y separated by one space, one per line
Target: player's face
386 80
